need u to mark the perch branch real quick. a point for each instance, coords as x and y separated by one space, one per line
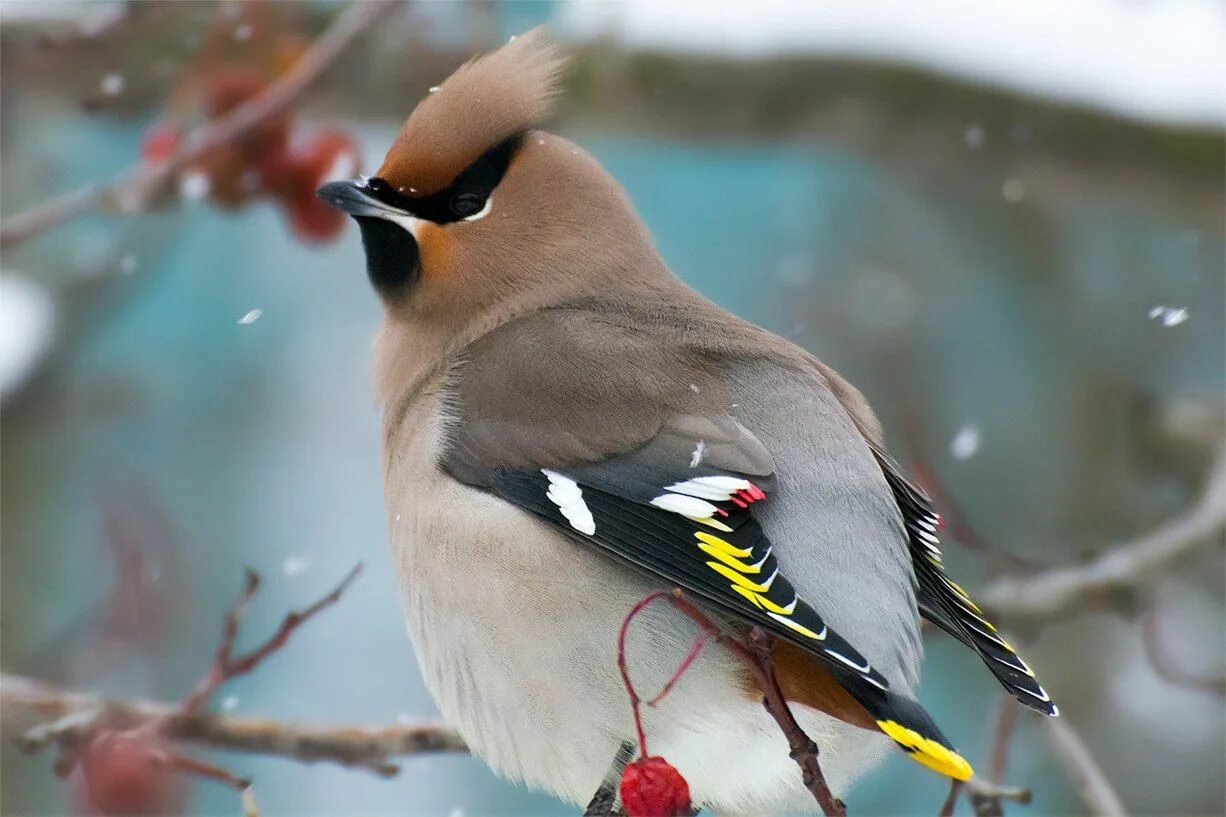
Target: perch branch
132 188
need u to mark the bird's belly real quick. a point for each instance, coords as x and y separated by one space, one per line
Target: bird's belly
515 629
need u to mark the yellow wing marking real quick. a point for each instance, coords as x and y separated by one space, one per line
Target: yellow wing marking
732 562
722 545
738 580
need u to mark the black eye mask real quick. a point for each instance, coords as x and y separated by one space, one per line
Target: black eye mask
464 198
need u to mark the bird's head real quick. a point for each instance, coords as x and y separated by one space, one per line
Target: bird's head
474 207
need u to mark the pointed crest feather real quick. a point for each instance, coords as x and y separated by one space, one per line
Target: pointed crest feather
485 101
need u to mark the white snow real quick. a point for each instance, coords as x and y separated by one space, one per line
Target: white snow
113 84
27 317
1168 315
251 317
1161 59
194 185
1014 190
965 443
974 136
295 565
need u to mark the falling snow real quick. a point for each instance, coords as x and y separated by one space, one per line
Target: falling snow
251 317
295 565
127 264
434 89
229 703
1014 190
194 186
974 136
113 84
965 442
1168 315
243 32
699 450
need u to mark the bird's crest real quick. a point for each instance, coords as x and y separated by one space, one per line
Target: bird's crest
486 101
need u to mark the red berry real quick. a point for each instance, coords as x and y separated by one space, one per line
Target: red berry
329 155
312 220
651 787
160 142
125 774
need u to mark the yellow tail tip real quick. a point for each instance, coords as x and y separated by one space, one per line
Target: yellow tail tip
924 750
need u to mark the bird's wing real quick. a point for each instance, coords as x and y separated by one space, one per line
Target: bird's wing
646 463
943 602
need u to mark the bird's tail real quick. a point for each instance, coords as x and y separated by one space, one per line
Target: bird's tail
912 728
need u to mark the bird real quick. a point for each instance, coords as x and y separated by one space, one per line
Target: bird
567 427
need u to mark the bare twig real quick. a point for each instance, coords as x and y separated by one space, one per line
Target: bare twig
1006 723
1095 790
1064 591
1166 666
131 189
225 666
951 799
25 702
986 797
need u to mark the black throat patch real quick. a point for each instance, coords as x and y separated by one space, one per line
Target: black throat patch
392 259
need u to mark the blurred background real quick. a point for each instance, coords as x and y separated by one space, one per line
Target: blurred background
1004 224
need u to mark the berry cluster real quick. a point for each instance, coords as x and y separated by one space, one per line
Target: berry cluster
264 163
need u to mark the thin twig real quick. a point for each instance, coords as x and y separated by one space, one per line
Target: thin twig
757 658
986 797
1006 723
1165 665
225 666
25 703
132 188
951 800
1061 592
1092 785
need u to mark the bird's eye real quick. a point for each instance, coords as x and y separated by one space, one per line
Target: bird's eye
466 204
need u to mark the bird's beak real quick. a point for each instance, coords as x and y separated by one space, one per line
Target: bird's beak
351 197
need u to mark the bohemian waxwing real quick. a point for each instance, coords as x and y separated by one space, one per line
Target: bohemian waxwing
568 427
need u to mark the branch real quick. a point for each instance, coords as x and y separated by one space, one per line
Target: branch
1095 790
1066 590
67 713
131 189
1165 664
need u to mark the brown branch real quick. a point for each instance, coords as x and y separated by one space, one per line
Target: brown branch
1092 785
48 713
1063 591
132 189
225 666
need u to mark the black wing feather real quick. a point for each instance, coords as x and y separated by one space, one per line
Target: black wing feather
671 546
947 605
